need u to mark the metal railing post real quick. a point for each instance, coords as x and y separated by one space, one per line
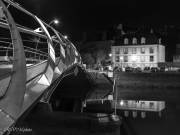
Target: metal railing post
115 93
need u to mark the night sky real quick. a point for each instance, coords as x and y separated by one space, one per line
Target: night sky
77 16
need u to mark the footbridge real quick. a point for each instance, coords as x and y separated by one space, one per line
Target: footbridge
34 59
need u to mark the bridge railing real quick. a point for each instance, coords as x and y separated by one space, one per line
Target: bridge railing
24 38
33 56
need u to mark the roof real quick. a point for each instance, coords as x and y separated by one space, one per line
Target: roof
150 38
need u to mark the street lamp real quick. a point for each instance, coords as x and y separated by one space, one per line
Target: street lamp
55 21
121 102
65 36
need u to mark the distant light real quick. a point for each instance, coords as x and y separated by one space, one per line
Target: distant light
110 54
121 57
56 21
66 37
110 97
121 103
133 58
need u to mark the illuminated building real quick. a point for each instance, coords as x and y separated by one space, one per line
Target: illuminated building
138 51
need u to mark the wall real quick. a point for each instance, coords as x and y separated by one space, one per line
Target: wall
159 55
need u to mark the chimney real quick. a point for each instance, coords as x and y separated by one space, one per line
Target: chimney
120 28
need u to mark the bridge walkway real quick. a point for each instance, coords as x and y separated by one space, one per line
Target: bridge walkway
23 84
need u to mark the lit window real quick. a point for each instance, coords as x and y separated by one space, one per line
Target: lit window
143 104
151 58
143 50
151 105
134 50
125 58
125 103
133 104
151 50
142 58
117 59
125 50
143 40
126 41
134 41
134 58
117 51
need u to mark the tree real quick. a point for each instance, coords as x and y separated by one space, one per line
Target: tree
88 59
100 56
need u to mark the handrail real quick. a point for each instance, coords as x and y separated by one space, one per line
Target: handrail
37 50
26 50
17 6
36 53
20 95
11 104
27 31
4 47
5 42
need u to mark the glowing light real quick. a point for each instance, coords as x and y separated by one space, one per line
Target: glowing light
133 58
121 58
55 21
121 103
66 37
110 54
110 97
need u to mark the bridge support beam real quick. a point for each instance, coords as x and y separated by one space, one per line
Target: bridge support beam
27 88
11 103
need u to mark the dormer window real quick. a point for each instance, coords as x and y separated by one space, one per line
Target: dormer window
151 50
134 41
143 40
126 41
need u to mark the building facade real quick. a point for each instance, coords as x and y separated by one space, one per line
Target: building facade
144 51
176 57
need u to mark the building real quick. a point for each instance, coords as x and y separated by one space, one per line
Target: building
140 106
138 50
176 57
